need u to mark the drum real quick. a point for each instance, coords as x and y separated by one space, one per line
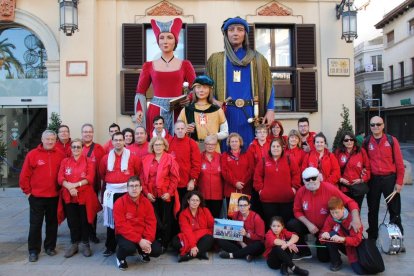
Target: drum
390 238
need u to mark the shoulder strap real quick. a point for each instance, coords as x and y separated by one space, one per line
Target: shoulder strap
366 141
346 163
391 142
91 149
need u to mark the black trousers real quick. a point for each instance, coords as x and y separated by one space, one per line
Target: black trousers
358 199
256 248
128 248
278 256
215 207
42 208
165 218
284 210
110 242
78 222
204 244
256 204
382 185
294 225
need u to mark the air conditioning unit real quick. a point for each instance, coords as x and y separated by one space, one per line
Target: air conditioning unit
369 68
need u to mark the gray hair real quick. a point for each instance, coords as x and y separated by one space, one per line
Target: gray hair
48 132
87 125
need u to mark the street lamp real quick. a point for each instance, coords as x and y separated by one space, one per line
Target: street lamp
68 16
349 20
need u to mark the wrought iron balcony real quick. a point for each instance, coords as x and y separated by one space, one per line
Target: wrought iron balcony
365 69
398 85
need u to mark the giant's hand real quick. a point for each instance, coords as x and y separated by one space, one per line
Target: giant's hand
269 117
139 116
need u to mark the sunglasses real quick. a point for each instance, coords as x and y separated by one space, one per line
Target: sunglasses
313 178
76 147
376 124
347 140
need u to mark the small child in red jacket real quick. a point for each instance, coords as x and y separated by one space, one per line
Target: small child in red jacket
280 246
340 236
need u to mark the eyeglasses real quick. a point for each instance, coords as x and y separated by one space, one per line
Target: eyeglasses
76 147
158 145
134 186
210 144
347 140
243 205
313 178
376 124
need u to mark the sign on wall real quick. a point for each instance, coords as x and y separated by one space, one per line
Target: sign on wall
338 67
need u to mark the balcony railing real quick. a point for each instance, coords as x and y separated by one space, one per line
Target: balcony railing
363 69
398 85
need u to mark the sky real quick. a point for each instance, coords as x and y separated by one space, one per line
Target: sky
374 12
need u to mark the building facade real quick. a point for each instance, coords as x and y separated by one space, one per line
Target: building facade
91 76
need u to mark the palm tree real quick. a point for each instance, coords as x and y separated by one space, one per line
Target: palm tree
8 60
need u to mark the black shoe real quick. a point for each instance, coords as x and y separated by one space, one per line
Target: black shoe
335 266
122 264
184 258
284 269
108 252
33 257
50 252
93 238
301 255
202 256
299 271
145 258
224 255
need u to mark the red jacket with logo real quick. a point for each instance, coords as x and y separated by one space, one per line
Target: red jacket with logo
139 150
65 148
108 146
309 140
96 156
236 169
39 175
135 220
358 162
352 239
210 182
380 155
274 180
193 228
259 151
314 205
296 153
270 238
253 225
118 176
328 165
187 154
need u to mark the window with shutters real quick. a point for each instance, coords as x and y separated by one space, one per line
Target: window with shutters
139 45
289 49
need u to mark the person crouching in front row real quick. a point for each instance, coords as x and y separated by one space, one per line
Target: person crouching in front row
341 237
135 225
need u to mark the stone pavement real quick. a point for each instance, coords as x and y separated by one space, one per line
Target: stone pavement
14 221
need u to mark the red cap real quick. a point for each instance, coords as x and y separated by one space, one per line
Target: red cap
173 26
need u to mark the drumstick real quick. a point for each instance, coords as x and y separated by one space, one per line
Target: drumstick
390 197
302 245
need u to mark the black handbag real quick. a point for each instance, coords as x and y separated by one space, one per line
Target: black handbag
359 189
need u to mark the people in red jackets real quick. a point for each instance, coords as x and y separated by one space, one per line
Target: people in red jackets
115 169
237 167
276 131
140 147
159 129
387 174
38 181
355 166
129 136
210 182
63 141
341 237
196 229
280 245
253 233
160 177
276 179
294 149
322 159
113 128
136 225
76 176
94 152
307 137
311 210
187 154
